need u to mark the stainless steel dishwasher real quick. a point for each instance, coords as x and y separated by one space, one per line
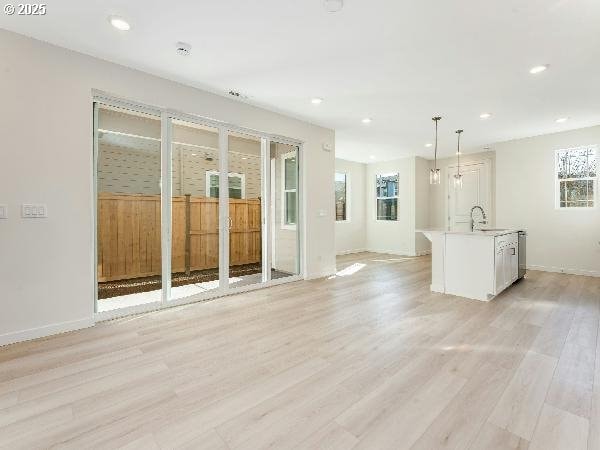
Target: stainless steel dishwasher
522 253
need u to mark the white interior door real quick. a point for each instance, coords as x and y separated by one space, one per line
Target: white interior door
475 190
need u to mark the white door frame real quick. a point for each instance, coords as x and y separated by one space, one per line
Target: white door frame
167 116
451 170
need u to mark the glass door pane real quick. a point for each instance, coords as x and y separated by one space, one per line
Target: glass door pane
245 225
128 189
195 209
284 210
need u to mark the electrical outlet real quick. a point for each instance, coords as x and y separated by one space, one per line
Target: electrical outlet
33 211
3 211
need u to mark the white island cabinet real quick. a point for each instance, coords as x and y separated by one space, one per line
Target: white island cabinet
477 265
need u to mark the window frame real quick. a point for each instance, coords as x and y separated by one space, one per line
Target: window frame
557 180
347 186
397 197
284 191
241 176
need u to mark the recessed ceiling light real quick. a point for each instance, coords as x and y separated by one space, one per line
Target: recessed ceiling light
333 5
538 69
119 23
367 120
371 157
485 116
562 119
316 101
194 154
243 157
429 144
487 147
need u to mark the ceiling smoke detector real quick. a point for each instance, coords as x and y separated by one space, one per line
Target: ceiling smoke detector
238 95
333 5
183 48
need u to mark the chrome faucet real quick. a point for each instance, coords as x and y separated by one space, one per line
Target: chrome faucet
484 221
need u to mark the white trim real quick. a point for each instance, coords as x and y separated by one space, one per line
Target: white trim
351 252
166 199
241 176
348 196
397 196
46 330
265 188
94 202
584 272
594 180
384 251
487 164
224 219
301 243
284 157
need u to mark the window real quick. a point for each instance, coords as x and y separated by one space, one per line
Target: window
237 184
341 206
576 176
387 196
290 186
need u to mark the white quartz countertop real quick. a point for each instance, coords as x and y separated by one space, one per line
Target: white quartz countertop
490 232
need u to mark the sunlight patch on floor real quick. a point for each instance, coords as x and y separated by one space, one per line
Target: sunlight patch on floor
350 270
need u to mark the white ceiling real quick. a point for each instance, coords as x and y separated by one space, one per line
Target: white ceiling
397 61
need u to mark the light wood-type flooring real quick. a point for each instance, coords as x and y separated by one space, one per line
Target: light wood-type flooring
370 359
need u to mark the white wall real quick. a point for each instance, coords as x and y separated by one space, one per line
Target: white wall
46 265
351 235
398 236
422 202
557 240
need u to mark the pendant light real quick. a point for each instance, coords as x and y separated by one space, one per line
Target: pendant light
434 174
458 178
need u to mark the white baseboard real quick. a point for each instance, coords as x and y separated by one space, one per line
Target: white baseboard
47 330
350 252
587 273
387 252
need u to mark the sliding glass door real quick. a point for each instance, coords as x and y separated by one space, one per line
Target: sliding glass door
128 213
245 191
189 209
195 166
284 210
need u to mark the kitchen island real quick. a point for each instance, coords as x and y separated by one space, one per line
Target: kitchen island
474 264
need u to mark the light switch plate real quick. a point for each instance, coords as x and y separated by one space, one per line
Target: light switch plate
3 211
33 211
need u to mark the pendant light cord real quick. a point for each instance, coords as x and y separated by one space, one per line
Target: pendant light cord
435 151
436 120
458 150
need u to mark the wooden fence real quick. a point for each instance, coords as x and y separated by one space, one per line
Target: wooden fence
129 234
